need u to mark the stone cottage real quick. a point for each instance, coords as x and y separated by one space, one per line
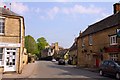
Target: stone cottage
12 33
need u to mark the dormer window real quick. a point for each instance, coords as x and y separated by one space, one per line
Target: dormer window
2 26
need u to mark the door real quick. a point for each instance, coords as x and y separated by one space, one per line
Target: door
97 62
10 60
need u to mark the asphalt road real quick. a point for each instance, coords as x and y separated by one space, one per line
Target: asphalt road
48 69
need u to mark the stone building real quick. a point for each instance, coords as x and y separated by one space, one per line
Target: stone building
50 51
73 54
100 41
12 33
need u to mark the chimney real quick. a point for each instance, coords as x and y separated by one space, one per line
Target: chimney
80 33
5 7
116 7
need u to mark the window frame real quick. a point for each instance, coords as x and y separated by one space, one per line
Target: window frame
90 40
114 57
113 40
1 53
2 60
83 42
2 30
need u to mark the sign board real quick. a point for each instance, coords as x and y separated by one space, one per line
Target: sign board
9 44
118 32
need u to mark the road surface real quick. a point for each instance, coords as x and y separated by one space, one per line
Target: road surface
48 69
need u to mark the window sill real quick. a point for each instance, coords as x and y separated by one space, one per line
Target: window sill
2 34
113 44
90 44
1 66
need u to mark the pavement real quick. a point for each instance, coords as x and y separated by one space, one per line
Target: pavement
27 71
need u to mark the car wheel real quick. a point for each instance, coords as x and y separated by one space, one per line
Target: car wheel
101 73
117 76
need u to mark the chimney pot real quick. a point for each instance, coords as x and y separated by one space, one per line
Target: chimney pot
8 9
4 6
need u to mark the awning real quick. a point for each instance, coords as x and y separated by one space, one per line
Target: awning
112 49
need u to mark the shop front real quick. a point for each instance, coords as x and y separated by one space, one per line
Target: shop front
114 53
8 56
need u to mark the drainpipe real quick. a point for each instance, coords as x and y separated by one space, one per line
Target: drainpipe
20 51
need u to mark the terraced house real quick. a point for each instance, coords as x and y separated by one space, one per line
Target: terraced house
12 32
100 41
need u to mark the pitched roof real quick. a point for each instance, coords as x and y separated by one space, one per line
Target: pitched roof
63 52
73 47
4 11
108 22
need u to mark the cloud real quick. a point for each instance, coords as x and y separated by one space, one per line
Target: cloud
42 17
38 10
2 4
79 9
74 10
19 8
52 12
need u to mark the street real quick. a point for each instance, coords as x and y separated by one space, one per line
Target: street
47 69
51 70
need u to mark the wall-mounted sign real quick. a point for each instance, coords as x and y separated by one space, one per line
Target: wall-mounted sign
118 32
9 44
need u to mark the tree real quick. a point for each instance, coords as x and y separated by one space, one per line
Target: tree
31 45
41 42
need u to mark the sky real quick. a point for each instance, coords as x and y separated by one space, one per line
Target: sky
60 20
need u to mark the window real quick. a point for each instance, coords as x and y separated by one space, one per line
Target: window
105 63
118 32
2 25
114 57
1 53
90 40
11 48
113 40
111 64
83 42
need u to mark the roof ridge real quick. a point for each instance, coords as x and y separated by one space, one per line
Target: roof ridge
4 11
107 22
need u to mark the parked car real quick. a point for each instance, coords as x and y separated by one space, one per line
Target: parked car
111 68
61 62
70 62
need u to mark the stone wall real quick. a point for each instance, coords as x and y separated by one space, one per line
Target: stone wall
88 54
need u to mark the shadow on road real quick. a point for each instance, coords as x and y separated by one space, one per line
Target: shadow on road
70 70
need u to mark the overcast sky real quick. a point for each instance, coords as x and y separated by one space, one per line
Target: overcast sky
60 21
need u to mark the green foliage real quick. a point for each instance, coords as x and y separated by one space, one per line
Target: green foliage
31 45
41 42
